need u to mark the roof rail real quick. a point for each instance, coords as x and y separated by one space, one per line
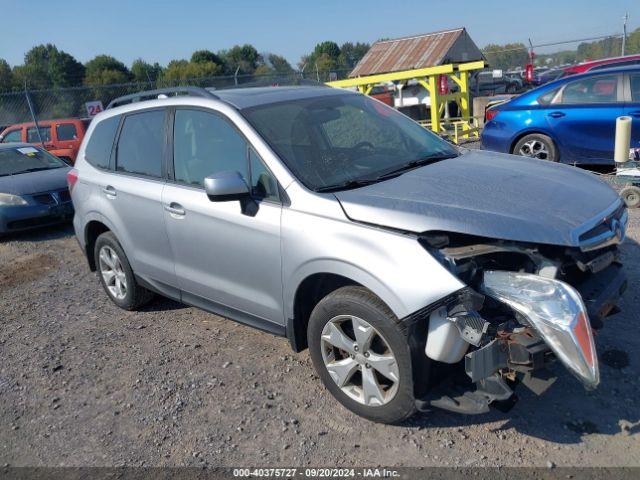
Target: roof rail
153 94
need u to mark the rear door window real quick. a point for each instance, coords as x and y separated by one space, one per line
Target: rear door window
598 89
66 131
98 150
32 134
141 144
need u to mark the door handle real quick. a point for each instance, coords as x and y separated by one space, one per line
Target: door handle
175 209
109 191
556 114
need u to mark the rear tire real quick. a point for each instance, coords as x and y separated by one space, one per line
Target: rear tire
375 351
116 275
631 196
536 145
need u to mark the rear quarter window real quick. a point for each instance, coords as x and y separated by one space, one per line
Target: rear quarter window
548 97
100 144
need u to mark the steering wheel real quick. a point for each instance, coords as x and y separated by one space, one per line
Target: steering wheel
363 144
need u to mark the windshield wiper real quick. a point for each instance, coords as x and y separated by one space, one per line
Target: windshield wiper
353 183
36 169
361 182
415 164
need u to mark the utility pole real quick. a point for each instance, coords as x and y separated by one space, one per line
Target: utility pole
624 31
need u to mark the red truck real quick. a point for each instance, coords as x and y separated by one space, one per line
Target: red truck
60 137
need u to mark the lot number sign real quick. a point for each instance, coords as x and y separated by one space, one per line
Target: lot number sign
94 108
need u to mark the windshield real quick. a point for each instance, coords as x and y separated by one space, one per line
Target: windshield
338 140
26 159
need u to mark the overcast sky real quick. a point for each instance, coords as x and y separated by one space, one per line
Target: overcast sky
162 30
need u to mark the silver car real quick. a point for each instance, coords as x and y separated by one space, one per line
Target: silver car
418 274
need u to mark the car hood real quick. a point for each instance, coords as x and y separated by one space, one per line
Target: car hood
35 182
486 194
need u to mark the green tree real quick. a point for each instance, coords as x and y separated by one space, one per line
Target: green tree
351 54
278 63
508 56
6 77
45 66
245 58
329 56
204 56
329 48
142 71
633 42
181 70
105 70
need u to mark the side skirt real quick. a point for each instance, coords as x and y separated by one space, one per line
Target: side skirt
213 307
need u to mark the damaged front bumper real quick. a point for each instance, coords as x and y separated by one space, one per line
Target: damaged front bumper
550 320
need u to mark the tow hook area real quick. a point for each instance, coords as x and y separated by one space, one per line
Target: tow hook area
492 371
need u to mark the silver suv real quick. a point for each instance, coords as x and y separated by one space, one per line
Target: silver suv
418 274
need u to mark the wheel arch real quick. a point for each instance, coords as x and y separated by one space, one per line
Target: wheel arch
92 230
538 131
314 286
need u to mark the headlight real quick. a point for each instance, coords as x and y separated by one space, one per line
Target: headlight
8 199
556 311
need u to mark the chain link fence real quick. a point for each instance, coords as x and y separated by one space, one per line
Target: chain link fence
72 102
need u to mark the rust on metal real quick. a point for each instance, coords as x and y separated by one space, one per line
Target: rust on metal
420 51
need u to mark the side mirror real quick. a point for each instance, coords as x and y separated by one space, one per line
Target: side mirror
225 186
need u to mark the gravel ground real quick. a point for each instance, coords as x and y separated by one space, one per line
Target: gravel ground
83 383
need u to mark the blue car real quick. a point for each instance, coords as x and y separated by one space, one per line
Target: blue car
33 188
571 120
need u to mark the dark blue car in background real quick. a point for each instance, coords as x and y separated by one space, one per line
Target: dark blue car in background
33 188
571 120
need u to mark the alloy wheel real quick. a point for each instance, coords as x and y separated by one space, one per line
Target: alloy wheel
112 272
534 149
359 360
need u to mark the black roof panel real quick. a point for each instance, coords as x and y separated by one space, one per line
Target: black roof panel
242 98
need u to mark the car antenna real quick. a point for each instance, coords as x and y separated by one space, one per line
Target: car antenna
33 114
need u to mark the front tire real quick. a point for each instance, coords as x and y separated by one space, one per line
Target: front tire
361 353
116 275
536 145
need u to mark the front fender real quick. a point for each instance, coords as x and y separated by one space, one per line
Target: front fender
344 269
392 265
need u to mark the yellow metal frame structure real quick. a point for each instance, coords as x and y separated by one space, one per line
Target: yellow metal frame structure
460 127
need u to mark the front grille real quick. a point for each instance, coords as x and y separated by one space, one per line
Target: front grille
52 198
609 230
64 196
44 199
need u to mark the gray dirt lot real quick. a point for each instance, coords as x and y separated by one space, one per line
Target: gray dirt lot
83 383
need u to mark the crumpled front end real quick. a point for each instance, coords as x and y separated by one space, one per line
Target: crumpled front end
526 306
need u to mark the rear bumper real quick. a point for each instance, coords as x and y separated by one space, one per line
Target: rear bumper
495 137
26 217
